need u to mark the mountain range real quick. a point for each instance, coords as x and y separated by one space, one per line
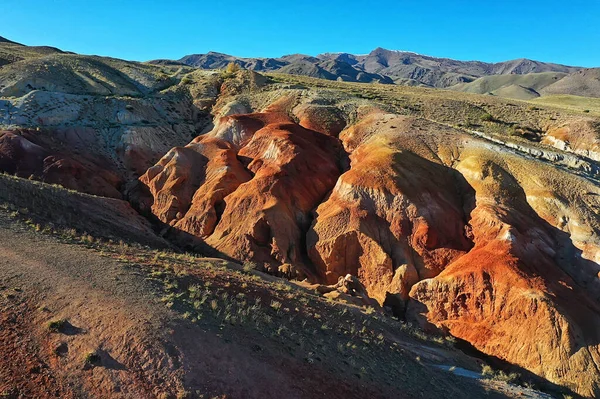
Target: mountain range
408 68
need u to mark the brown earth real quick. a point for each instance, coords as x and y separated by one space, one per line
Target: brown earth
23 153
110 301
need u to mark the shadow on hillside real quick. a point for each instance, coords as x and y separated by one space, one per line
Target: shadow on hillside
525 376
109 362
550 263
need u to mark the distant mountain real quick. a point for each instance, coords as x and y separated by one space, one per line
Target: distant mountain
385 66
521 78
295 64
585 82
523 87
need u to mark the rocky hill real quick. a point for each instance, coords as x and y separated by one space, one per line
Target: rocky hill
296 64
523 87
585 82
11 51
470 216
384 66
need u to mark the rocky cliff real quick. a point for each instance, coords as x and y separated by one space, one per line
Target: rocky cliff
461 233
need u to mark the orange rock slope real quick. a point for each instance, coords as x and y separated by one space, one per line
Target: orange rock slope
493 246
248 187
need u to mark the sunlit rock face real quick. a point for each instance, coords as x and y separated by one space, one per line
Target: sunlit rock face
453 231
248 187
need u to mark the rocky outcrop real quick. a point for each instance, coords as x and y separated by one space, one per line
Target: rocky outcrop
27 154
393 219
479 237
579 137
513 295
247 188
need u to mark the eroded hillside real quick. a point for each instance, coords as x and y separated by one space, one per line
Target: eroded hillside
492 243
472 216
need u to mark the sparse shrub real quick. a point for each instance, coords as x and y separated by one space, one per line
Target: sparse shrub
499 375
232 67
92 358
586 111
230 70
57 325
450 341
276 305
486 370
515 131
370 310
248 266
487 118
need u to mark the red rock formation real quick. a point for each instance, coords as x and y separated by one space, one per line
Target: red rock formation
511 296
248 186
26 154
486 244
326 119
393 219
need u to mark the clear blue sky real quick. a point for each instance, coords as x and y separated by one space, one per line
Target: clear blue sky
554 31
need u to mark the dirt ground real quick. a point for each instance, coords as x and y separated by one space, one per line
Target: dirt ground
119 340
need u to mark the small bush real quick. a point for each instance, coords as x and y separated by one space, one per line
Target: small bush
487 370
232 68
249 266
498 375
92 358
57 325
487 118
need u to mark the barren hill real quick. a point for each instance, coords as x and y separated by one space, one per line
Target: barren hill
585 82
11 52
522 87
4 40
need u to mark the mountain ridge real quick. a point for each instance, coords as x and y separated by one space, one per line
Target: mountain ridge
380 65
5 40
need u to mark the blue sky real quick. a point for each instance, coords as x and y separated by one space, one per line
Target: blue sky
565 32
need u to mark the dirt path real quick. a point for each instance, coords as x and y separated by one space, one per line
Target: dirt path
43 280
146 350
